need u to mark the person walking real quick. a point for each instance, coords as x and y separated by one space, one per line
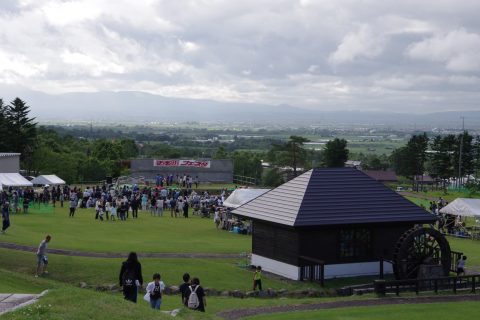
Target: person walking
5 217
185 209
183 288
155 290
73 206
134 204
42 259
196 296
123 210
257 279
130 277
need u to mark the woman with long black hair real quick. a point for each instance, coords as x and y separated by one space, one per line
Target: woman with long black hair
130 277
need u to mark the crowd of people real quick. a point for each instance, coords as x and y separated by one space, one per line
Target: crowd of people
447 223
113 203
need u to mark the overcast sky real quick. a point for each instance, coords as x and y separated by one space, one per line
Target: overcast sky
408 55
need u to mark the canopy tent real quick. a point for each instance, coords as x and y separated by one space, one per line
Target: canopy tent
14 180
49 179
242 196
463 207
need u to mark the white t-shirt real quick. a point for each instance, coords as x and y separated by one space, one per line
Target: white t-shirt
159 203
151 286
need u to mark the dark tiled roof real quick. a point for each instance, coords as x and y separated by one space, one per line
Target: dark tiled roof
333 196
382 175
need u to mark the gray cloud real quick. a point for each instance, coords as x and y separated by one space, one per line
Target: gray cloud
370 55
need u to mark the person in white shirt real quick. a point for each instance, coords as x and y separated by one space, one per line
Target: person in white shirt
159 207
42 260
98 205
461 266
154 291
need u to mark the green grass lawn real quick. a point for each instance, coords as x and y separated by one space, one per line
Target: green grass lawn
213 273
437 311
145 234
65 301
20 283
449 196
420 202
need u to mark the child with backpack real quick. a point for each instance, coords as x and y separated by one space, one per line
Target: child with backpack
154 291
196 296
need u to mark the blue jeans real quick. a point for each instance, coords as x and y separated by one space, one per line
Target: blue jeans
155 304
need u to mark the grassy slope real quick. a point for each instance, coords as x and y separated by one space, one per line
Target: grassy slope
437 311
218 274
68 302
20 283
145 234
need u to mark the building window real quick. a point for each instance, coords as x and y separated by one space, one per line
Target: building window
355 244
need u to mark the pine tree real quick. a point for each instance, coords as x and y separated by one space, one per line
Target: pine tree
335 153
22 131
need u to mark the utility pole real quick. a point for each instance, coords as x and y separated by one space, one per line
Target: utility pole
460 154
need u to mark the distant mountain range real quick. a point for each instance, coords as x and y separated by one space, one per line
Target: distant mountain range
140 107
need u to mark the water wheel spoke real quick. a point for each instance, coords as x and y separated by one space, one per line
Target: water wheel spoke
420 246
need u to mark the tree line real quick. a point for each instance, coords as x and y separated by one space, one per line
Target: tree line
442 157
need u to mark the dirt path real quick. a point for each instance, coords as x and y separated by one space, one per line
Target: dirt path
243 313
73 253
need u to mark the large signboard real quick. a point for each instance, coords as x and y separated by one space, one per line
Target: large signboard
181 163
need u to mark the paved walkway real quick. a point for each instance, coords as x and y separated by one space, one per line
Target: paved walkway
243 313
14 246
12 301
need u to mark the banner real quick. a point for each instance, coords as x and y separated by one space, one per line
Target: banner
181 163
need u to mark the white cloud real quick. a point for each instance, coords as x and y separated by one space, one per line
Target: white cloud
188 46
457 49
361 43
312 53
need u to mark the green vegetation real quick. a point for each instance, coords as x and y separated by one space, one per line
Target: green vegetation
17 130
68 302
437 311
148 234
145 234
335 153
221 274
21 283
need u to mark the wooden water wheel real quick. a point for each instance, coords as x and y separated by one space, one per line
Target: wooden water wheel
417 247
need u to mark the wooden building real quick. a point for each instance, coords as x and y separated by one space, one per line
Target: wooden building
383 176
339 217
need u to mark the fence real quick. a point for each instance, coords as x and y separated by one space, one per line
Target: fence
383 288
245 180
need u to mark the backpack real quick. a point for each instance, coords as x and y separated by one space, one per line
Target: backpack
128 277
193 301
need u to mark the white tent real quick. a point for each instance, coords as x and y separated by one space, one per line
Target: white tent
49 179
463 207
14 180
242 196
